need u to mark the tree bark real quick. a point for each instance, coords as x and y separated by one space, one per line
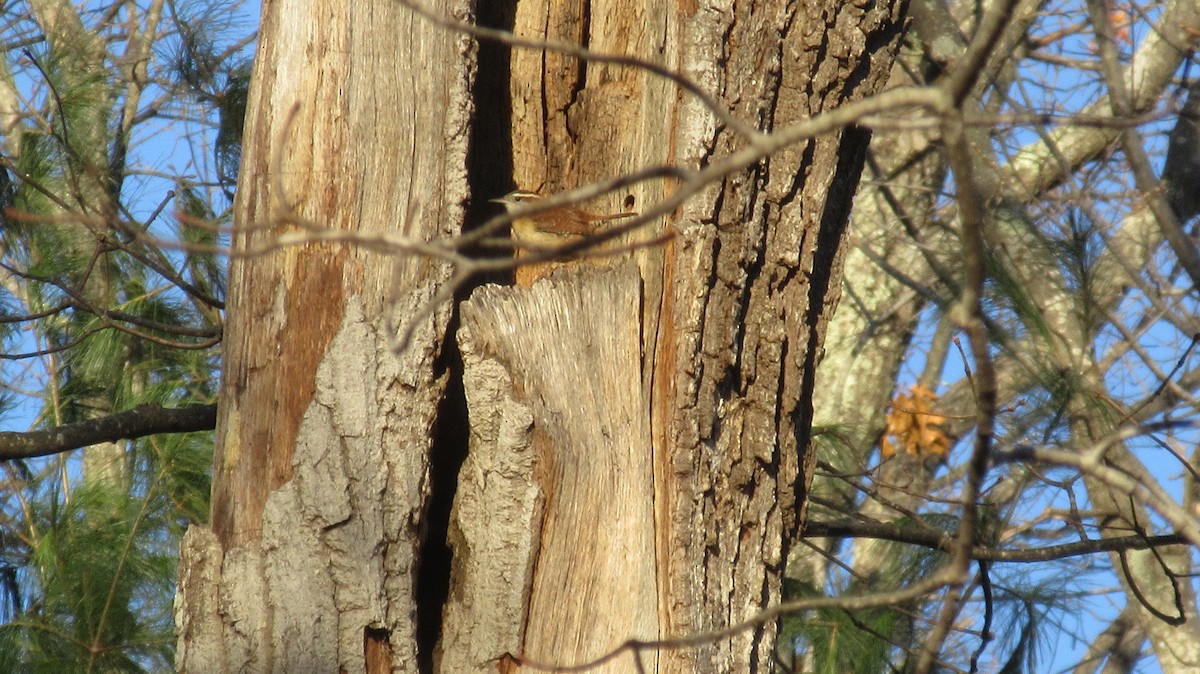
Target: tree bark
732 316
321 477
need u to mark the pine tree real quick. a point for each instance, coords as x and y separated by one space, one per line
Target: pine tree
104 323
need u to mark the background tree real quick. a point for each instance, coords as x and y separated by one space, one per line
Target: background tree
101 329
1091 317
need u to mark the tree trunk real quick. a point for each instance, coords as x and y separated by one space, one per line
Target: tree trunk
639 430
91 187
321 476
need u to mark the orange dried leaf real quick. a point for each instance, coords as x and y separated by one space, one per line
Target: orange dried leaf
1121 20
913 427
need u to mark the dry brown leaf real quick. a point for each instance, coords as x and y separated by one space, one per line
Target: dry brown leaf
913 427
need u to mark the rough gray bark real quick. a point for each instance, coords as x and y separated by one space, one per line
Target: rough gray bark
730 327
321 477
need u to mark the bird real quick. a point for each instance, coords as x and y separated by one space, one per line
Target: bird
553 227
547 230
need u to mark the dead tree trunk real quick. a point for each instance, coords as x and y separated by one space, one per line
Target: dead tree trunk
638 430
321 478
648 422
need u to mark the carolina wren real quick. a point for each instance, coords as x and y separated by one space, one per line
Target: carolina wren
548 230
554 227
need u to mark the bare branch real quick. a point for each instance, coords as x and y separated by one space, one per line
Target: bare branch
939 540
1091 461
149 419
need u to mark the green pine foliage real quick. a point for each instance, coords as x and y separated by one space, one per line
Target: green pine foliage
96 317
860 641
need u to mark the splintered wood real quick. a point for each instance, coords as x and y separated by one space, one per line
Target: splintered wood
564 426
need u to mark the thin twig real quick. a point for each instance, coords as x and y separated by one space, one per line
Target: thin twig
848 603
